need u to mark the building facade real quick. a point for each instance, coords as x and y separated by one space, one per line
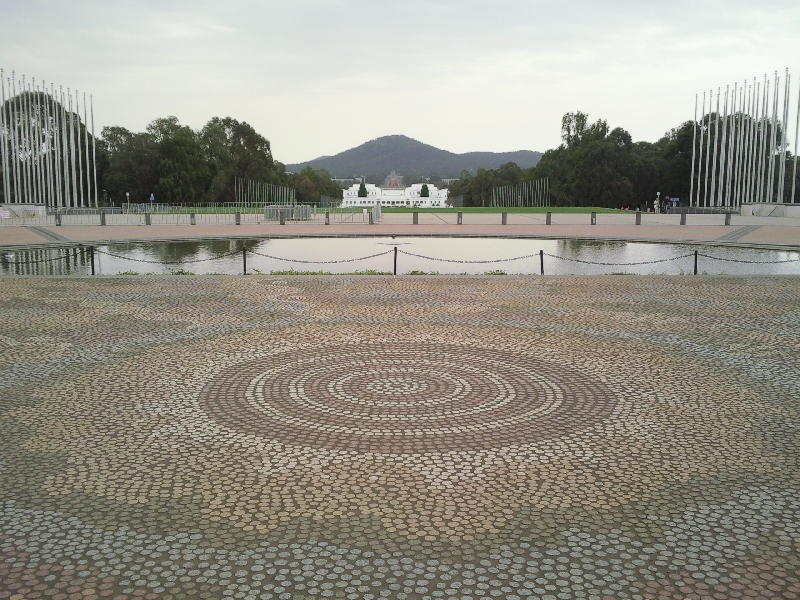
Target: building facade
394 193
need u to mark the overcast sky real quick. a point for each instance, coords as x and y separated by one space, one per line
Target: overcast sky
317 77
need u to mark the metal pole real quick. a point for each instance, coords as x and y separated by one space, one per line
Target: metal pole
4 125
72 150
65 151
80 154
785 118
716 142
24 141
773 138
694 143
57 147
13 150
541 262
695 262
751 151
86 144
700 158
731 136
737 184
37 130
244 260
29 106
761 145
708 147
48 144
796 132
91 257
395 260
722 148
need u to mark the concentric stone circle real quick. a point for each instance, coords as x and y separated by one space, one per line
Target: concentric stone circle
404 397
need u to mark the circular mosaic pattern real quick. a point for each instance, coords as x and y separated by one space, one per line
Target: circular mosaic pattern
404 398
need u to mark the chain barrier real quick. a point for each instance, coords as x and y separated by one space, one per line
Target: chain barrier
169 262
752 262
464 262
644 262
320 262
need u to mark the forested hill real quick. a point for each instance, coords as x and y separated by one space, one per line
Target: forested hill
411 159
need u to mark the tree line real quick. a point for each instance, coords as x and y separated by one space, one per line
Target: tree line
598 166
179 165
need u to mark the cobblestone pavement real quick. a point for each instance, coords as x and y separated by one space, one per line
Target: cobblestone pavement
361 438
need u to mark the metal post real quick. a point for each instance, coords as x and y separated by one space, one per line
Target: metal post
700 158
4 125
541 261
594 218
415 219
395 260
327 217
638 217
784 120
708 148
694 142
94 155
80 152
695 262
711 199
91 257
796 131
683 218
548 218
722 149
727 218
244 260
460 218
505 218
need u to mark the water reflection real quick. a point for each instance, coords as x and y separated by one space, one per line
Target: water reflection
562 257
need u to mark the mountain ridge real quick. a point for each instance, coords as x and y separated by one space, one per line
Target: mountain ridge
412 159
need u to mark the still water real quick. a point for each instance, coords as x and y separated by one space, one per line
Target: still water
225 257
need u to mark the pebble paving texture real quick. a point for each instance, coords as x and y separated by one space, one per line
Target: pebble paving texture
362 438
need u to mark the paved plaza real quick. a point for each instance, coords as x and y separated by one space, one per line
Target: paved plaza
412 437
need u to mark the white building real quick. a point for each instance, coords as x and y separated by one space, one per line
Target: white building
393 193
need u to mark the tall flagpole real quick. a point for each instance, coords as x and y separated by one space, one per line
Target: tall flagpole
738 146
37 136
716 143
22 149
742 141
56 146
700 159
80 153
14 143
722 149
94 153
4 125
731 136
47 133
708 146
72 149
796 132
773 134
68 197
751 171
86 143
784 119
694 143
761 144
